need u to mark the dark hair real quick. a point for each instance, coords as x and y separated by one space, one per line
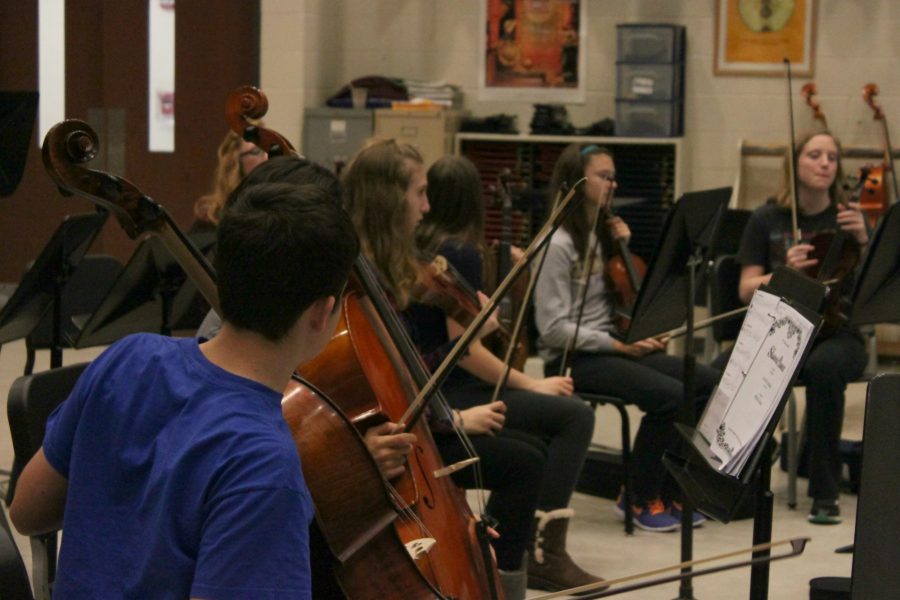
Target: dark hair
457 206
295 170
569 169
280 248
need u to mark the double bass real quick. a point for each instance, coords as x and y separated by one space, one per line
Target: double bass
371 370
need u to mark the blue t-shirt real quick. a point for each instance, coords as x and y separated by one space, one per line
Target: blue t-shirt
183 481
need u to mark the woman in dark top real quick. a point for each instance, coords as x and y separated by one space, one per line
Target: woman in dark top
547 436
768 242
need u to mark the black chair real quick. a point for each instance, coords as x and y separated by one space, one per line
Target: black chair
875 550
88 285
620 405
13 575
31 400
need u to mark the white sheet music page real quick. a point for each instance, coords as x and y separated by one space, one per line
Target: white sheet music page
766 355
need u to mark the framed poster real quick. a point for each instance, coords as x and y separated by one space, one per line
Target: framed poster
753 37
533 50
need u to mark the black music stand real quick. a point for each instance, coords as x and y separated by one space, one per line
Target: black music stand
878 287
42 286
17 112
666 300
721 496
151 294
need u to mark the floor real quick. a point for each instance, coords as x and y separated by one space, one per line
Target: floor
597 540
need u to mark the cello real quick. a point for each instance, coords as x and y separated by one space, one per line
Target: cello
874 196
373 562
371 370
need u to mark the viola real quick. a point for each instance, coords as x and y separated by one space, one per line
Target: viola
624 273
439 284
372 371
354 511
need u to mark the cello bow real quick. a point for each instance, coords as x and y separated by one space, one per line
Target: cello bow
798 545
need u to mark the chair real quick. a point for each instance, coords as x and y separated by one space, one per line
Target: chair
875 551
625 458
13 575
83 293
31 400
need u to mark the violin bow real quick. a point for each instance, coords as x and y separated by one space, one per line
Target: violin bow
559 214
798 545
587 268
792 171
520 318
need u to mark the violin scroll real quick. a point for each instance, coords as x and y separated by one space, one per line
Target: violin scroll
246 104
870 90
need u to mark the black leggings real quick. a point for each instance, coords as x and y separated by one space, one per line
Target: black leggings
654 384
511 468
533 463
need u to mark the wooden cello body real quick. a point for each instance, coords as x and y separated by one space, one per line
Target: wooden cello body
366 372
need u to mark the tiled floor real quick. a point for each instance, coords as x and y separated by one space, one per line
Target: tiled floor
597 540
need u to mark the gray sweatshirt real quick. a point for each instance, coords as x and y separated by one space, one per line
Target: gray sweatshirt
557 296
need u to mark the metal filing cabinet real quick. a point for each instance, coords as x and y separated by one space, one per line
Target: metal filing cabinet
429 131
331 136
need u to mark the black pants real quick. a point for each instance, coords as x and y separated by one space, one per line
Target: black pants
533 463
511 467
830 366
654 384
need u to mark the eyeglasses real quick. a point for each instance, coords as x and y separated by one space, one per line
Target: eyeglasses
610 177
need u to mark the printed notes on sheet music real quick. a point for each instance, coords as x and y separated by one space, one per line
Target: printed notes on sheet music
766 354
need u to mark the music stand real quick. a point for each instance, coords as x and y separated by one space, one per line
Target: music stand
41 287
151 294
666 300
720 495
878 288
689 230
17 112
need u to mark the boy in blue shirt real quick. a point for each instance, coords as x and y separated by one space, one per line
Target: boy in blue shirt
169 467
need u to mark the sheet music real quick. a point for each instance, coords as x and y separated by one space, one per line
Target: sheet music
766 355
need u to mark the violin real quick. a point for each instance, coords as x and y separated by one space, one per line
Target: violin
624 273
371 561
837 252
371 370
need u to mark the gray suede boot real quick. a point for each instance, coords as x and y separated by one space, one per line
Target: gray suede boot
549 566
514 582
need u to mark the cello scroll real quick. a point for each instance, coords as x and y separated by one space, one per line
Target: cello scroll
246 104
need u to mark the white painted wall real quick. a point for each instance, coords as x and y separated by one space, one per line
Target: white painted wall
312 47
